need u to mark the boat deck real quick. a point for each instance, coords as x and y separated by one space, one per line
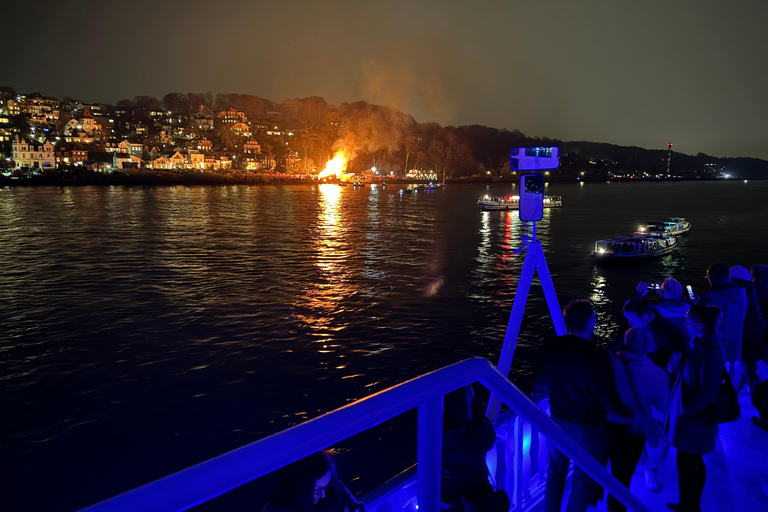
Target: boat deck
737 471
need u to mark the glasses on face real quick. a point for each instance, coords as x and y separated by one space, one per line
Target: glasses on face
319 491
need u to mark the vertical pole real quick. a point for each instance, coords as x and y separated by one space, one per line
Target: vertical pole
519 491
430 451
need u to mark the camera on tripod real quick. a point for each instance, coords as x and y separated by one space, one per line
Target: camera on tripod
537 158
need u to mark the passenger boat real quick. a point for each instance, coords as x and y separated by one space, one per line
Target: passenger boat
674 226
634 247
487 203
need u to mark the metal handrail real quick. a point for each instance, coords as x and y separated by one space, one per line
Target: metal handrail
207 480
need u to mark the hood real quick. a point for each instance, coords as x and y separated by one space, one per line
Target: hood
672 308
733 295
631 355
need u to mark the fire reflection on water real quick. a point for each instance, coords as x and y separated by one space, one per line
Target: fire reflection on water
322 304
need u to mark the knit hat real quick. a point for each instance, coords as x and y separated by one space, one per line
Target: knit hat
639 339
739 272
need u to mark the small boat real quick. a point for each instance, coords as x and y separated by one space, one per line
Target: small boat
675 226
634 247
487 203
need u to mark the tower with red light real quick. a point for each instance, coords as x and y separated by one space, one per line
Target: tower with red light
669 157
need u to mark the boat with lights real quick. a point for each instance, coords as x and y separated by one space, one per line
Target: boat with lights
634 247
488 203
675 226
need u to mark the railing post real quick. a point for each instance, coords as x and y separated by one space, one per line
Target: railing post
520 484
430 446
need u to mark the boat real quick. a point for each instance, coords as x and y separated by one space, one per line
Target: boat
674 226
487 203
634 247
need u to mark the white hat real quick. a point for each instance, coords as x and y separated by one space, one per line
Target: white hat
739 272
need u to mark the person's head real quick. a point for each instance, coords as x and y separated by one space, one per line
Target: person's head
718 274
760 275
303 484
639 339
457 408
580 318
739 274
638 313
671 289
701 320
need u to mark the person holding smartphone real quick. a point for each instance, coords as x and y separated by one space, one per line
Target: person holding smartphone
672 305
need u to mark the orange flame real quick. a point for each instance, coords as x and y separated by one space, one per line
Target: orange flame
335 166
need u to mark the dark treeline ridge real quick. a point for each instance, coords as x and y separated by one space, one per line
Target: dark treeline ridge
394 142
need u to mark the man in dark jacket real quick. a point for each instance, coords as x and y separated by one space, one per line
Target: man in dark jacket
731 300
578 377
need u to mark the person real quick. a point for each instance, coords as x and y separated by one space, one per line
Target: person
672 305
666 338
689 426
311 485
467 438
752 347
640 382
759 275
651 388
731 300
577 376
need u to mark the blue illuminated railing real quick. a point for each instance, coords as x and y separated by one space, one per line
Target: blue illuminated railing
212 478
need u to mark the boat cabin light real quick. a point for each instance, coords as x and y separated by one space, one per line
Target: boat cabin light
601 250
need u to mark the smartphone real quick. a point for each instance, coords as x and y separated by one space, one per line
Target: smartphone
690 291
654 286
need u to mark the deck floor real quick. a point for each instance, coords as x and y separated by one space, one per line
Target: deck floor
737 471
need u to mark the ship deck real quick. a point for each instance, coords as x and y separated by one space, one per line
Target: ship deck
737 471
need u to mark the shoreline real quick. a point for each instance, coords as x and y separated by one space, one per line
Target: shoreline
206 179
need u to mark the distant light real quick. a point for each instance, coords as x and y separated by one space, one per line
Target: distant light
373 168
601 250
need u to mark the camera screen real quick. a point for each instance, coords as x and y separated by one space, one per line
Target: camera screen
534 186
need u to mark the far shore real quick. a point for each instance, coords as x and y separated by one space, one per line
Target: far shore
140 178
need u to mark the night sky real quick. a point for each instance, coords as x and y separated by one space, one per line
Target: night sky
639 73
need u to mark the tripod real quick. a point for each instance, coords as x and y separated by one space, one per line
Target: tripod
534 260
